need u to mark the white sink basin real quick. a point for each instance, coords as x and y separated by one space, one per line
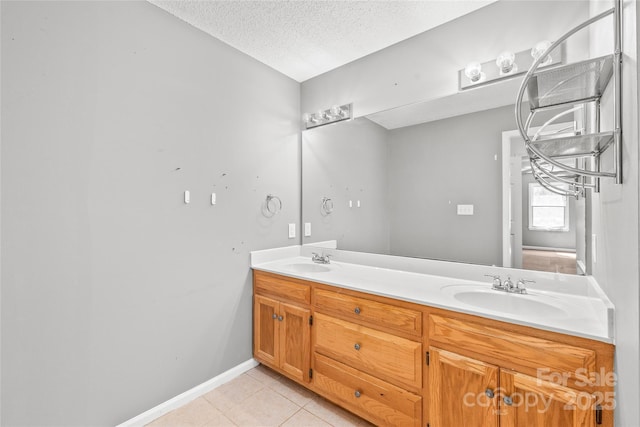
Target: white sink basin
527 304
306 268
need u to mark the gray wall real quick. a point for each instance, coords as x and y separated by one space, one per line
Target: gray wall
347 161
425 67
435 166
549 239
115 295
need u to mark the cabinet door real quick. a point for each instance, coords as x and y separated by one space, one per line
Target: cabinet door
295 347
265 334
532 402
462 391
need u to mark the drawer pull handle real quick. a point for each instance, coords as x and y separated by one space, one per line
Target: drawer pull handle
358 393
280 318
357 310
507 400
357 346
489 393
274 316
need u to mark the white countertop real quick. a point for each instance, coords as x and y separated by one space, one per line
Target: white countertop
579 309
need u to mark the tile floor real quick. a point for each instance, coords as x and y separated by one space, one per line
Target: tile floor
259 397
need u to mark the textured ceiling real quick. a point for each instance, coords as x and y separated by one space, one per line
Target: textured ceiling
305 38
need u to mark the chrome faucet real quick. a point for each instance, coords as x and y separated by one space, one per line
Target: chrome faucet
320 259
508 285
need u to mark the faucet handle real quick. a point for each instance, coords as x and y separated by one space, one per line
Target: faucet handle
520 288
497 283
521 282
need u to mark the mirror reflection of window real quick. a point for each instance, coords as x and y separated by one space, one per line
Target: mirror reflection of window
548 211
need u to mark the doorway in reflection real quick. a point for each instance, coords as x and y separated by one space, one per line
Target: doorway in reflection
543 231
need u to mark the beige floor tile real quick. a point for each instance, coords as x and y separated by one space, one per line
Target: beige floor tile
259 397
292 391
333 414
306 419
234 392
265 408
195 414
263 374
223 421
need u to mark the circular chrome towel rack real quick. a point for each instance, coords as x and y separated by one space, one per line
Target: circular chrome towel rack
581 83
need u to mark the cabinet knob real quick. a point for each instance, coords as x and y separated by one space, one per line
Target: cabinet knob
507 400
280 318
357 346
274 316
489 393
358 393
357 310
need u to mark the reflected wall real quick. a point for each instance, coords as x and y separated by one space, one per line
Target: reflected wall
409 182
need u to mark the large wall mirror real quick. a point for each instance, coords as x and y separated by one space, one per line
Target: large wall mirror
435 190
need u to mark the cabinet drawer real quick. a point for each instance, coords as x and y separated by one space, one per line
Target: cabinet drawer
372 313
374 399
508 348
386 356
282 287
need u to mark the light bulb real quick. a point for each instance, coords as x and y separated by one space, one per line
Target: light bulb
306 117
336 111
506 63
473 71
320 115
539 49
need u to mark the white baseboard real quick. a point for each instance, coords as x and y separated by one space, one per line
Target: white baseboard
189 395
545 248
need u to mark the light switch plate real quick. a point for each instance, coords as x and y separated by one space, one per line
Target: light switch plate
465 209
307 229
292 231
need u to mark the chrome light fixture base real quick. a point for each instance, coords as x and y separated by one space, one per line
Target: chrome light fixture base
336 113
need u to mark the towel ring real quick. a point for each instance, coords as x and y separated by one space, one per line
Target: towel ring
327 205
273 204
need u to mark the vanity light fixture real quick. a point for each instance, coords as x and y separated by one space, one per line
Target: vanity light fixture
334 114
507 65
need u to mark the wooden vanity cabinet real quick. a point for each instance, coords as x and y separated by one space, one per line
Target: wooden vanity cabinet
396 363
282 325
489 373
